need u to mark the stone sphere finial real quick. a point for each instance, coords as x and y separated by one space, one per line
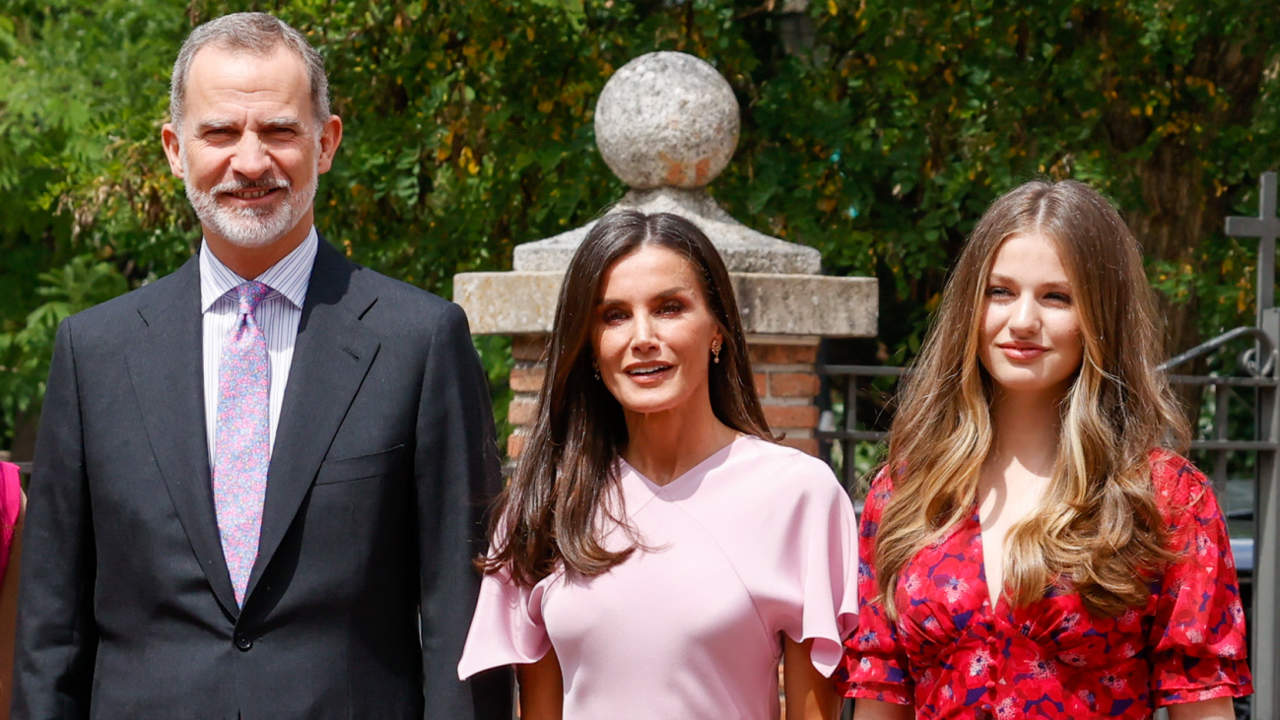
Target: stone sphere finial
666 119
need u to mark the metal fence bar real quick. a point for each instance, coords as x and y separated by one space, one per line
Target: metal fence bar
1224 380
874 436
1266 347
1221 398
1220 445
865 370
1266 549
850 425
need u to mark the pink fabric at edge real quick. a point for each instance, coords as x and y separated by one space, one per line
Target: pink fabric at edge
10 505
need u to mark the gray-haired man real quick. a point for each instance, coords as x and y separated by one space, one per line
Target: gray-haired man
258 480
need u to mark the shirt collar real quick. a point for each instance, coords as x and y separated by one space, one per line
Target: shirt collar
289 277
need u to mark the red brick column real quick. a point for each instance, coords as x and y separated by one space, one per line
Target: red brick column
784 377
787 384
527 374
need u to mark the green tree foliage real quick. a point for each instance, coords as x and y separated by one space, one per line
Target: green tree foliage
874 131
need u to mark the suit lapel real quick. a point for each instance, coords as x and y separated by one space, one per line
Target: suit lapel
330 359
165 368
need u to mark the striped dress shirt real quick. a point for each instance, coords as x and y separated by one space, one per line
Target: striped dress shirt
278 315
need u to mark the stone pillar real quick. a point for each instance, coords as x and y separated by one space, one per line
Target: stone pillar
666 123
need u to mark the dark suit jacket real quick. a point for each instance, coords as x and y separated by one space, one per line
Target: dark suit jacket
383 460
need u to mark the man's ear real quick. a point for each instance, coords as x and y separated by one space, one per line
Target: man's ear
172 148
330 139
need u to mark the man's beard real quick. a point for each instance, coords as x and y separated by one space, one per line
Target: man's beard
251 227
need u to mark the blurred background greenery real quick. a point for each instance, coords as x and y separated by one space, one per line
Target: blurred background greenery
873 130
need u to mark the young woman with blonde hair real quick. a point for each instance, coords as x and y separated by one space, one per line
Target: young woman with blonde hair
1034 546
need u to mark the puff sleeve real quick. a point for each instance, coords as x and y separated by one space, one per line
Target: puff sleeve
1197 636
875 665
507 627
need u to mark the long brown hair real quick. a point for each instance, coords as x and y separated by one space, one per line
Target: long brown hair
1098 530
567 473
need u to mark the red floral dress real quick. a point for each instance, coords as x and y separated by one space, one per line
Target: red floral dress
951 656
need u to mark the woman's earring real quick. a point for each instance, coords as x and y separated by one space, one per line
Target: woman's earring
715 352
595 370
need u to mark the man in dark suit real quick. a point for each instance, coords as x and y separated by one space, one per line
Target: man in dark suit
259 481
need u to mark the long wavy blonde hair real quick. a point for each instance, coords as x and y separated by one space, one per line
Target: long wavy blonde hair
1098 531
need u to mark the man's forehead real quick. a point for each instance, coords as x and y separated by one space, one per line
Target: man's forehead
278 67
235 78
223 50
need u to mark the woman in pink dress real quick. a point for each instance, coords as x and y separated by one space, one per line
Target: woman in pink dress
12 508
655 553
1034 547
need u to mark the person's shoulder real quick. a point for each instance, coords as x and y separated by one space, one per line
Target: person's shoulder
758 450
882 481
399 293
8 473
108 317
879 491
787 469
399 307
1177 483
10 497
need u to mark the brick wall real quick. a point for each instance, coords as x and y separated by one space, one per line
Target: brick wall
786 382
526 380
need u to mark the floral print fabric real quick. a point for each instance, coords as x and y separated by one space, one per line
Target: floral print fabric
951 655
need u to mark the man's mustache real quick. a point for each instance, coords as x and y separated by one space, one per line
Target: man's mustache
265 183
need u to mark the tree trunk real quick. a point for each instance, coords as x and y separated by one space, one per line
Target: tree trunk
1179 212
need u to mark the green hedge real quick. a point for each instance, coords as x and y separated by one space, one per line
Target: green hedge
878 139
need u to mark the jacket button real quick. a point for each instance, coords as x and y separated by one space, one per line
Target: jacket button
243 642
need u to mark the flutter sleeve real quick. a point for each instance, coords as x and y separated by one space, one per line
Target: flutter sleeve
507 627
820 550
1197 635
875 665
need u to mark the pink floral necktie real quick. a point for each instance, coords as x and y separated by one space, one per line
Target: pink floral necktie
242 440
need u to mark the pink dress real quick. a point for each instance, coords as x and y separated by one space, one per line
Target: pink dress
10 504
754 542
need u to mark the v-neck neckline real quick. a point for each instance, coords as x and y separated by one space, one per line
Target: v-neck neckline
660 489
991 604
